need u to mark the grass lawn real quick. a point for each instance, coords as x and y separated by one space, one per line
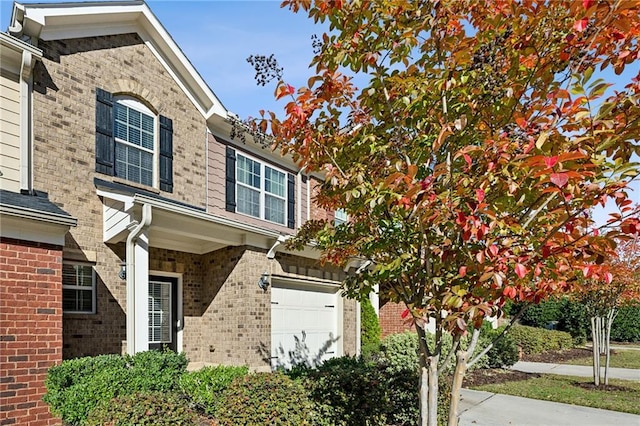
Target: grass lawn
621 359
621 396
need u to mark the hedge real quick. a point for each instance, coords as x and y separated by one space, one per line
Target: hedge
534 340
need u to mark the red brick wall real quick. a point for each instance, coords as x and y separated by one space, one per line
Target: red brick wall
30 328
391 320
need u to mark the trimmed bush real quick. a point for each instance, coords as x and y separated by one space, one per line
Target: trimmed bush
265 398
400 351
370 329
204 387
538 340
504 352
77 386
626 325
155 408
347 391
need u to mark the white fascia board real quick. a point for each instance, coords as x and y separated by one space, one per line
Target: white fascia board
73 20
28 229
38 215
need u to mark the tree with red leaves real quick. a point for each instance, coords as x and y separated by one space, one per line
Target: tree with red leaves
470 160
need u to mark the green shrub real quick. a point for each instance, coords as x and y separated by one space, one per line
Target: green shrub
204 387
573 319
76 386
400 351
154 408
504 352
265 398
348 391
538 340
543 314
370 329
626 325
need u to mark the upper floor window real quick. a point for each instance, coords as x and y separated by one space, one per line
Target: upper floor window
133 142
258 189
78 288
340 217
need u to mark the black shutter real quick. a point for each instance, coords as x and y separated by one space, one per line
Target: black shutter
291 201
105 144
231 180
166 154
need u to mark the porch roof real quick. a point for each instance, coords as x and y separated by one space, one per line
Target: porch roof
176 225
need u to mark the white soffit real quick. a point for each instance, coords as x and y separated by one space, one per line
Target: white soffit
57 21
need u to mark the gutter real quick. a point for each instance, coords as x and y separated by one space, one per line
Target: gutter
134 233
39 215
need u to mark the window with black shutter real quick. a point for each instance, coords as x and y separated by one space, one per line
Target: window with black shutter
126 133
257 189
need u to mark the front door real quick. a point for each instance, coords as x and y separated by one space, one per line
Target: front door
163 313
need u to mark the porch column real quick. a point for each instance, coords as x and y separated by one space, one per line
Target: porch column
141 296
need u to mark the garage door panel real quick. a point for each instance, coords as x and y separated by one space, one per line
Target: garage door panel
303 325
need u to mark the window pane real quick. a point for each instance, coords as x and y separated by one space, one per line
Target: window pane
147 123
77 287
159 312
274 181
135 118
248 201
134 136
147 140
274 209
248 171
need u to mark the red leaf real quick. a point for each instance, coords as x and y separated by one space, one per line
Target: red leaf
521 122
467 158
493 249
405 313
559 179
480 195
608 277
290 89
580 24
462 271
551 161
587 3
521 270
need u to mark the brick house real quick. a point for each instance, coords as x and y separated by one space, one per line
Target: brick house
159 229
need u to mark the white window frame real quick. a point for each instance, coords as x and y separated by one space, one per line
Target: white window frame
339 217
166 284
136 105
81 287
263 192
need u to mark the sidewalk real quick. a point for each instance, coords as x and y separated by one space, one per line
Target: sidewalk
574 370
488 409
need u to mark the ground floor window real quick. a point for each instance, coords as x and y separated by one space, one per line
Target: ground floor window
78 288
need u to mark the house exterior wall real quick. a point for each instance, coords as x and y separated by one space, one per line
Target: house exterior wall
31 324
9 131
391 320
64 122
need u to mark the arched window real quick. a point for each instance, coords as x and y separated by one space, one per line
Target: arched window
135 137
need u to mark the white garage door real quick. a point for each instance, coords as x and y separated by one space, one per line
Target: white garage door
304 324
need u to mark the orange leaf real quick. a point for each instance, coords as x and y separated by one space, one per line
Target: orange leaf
580 25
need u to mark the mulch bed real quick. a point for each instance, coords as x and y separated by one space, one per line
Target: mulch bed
497 375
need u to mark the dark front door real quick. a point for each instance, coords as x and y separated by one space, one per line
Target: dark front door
163 313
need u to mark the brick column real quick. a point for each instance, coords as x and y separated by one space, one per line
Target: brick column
30 328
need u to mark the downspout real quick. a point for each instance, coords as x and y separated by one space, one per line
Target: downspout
134 233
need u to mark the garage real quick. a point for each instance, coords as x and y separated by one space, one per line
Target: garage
305 319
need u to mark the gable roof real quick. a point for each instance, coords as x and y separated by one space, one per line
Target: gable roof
56 21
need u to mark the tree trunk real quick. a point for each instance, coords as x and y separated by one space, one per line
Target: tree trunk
458 377
596 351
610 317
428 382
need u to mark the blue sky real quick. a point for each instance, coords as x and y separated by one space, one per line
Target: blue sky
218 36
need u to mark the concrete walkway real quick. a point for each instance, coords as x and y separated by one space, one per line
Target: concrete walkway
489 409
575 370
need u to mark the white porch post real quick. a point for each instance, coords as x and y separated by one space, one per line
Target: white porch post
141 313
375 299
